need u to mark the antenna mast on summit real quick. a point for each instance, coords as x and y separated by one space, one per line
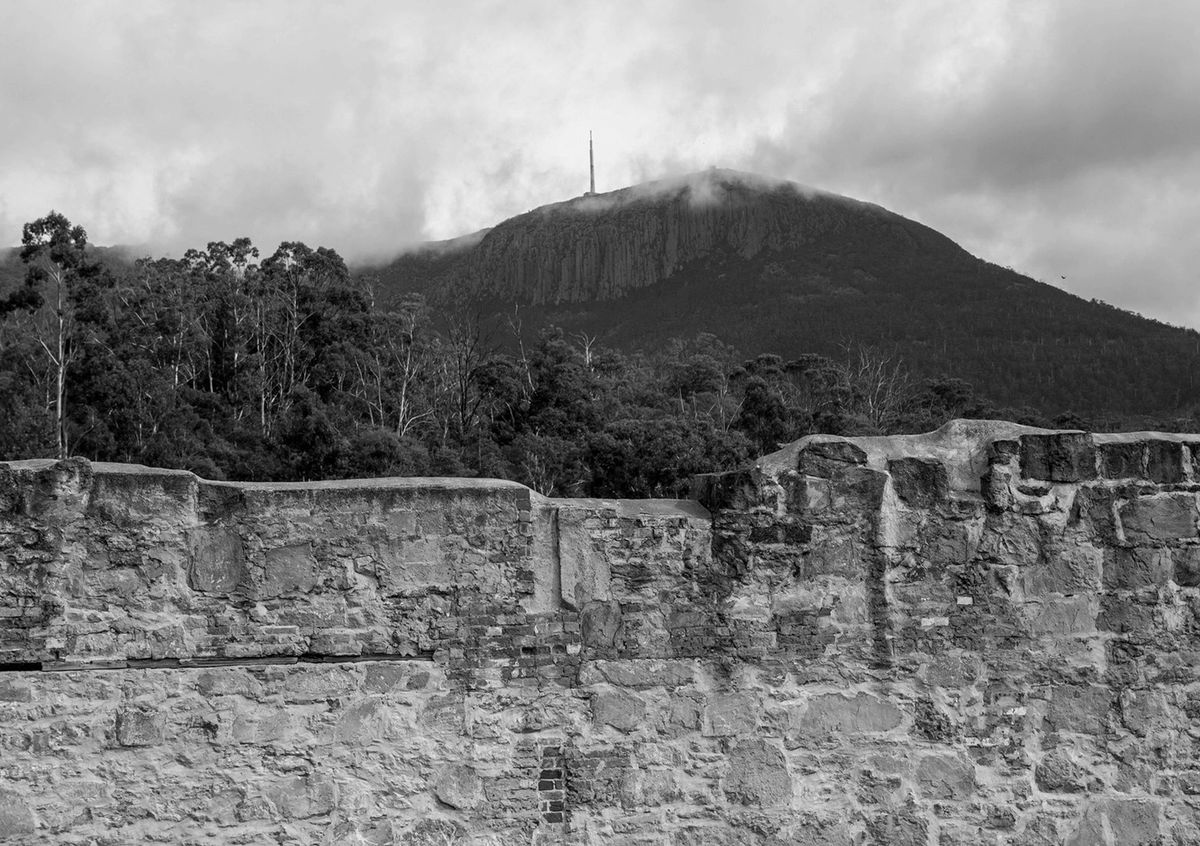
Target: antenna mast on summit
591 166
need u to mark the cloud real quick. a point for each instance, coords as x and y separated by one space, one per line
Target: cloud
1059 138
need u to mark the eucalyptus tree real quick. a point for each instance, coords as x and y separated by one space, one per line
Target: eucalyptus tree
58 271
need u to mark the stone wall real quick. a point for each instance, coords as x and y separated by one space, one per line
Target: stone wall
983 635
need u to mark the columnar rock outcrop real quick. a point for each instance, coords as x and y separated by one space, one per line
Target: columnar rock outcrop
603 247
982 635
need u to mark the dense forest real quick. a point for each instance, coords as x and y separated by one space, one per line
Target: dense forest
237 366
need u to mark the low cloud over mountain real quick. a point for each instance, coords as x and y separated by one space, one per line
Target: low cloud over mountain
1061 139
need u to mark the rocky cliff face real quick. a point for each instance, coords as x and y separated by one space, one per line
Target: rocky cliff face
602 247
984 635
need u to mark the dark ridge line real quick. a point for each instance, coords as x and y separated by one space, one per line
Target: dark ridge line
199 663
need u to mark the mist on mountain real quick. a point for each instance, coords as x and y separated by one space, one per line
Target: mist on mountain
769 266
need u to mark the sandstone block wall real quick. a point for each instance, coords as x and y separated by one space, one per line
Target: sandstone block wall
983 635
986 635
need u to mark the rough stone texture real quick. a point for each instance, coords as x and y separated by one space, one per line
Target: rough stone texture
459 787
1059 456
559 253
956 638
758 775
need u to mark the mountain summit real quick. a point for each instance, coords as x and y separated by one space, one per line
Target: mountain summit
774 267
604 246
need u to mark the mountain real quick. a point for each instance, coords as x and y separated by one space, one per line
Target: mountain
773 267
119 259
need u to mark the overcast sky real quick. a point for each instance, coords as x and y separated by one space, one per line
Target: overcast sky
1061 138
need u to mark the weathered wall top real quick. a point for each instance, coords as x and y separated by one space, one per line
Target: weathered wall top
963 447
986 634
107 562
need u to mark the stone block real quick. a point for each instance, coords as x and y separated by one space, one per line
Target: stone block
600 623
289 569
825 458
16 817
781 532
931 723
1144 711
1058 457
1186 566
757 775
1095 511
1057 773
1011 539
639 674
1122 460
734 490
384 677
919 482
716 834
649 788
832 714
412 564
401 524
1117 822
1060 616
218 501
138 727
1066 566
997 488
301 797
446 713
684 713
458 786
730 715
954 669
1137 567
899 829
1160 518
1128 614
434 832
808 495
227 681
315 683
945 777
363 722
623 711
217 560
583 565
857 491
15 691
833 553
1003 450
1165 461
1084 709
1133 822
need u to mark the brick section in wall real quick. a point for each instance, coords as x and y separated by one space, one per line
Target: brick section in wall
552 784
501 644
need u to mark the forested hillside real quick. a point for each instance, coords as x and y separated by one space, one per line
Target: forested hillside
771 267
